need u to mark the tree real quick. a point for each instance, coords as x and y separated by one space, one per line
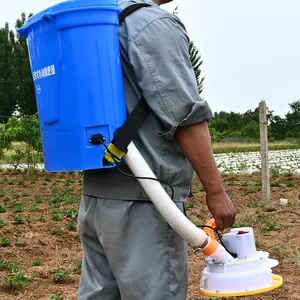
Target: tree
293 118
26 99
196 60
196 63
7 84
278 128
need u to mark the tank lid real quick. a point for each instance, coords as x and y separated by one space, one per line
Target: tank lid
69 6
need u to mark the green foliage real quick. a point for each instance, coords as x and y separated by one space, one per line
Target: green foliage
7 84
56 296
25 95
25 131
16 281
231 125
37 262
196 63
196 60
4 242
62 275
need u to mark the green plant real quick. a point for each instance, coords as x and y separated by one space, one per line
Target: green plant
18 207
37 262
18 220
62 275
268 224
190 205
2 209
71 226
47 179
56 215
35 207
26 131
70 213
15 281
21 242
4 242
9 265
56 231
1 223
42 219
78 265
56 296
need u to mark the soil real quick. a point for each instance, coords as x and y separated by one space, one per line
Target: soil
46 205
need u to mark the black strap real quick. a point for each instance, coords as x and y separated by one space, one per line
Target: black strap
124 135
130 9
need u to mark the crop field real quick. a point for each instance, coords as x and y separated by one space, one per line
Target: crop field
40 251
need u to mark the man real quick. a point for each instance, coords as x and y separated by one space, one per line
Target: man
130 252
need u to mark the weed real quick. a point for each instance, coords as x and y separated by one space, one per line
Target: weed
191 205
1 223
6 199
275 172
37 262
72 226
38 199
47 179
18 220
278 184
242 183
56 296
35 207
21 182
42 219
252 191
56 215
295 258
4 242
62 275
9 265
21 242
16 281
28 220
57 231
268 225
70 213
78 265
17 208
2 209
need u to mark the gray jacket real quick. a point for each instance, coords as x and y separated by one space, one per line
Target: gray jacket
155 44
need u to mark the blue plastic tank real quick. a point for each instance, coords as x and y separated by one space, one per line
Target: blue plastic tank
76 67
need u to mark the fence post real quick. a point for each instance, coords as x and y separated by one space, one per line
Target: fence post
265 172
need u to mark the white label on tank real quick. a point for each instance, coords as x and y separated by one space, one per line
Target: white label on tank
44 72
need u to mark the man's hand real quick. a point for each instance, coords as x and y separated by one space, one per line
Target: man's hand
195 142
222 209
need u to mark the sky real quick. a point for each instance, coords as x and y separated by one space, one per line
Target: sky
250 49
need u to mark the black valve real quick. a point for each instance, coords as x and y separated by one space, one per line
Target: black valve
97 139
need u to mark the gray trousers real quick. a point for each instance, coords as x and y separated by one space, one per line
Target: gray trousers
130 252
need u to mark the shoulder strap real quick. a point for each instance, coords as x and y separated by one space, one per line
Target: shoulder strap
124 135
130 9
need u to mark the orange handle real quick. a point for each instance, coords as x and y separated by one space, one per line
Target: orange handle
209 231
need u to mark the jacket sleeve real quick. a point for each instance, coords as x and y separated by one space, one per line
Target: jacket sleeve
159 55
